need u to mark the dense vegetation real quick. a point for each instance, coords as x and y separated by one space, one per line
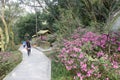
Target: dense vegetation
82 57
64 17
92 56
9 54
8 60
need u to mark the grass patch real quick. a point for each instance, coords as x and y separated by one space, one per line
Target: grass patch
51 53
59 72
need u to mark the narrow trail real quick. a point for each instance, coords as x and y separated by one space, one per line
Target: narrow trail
116 24
34 67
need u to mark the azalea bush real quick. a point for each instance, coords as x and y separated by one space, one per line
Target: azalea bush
92 56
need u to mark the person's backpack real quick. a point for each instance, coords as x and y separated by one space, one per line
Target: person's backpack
28 44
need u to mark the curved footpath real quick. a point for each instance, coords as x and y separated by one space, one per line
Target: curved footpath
34 67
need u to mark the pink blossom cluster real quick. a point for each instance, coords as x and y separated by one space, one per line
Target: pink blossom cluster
43 37
94 62
4 56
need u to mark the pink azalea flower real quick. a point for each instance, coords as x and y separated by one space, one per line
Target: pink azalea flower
89 73
93 66
68 68
79 74
119 48
98 75
115 65
74 66
74 55
100 54
107 79
76 49
84 67
81 55
81 78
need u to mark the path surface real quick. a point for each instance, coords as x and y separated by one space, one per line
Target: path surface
34 67
116 24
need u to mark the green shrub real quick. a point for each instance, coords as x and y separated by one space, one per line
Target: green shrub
51 38
42 44
8 61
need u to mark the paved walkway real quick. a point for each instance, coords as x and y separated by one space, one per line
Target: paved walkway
40 49
34 67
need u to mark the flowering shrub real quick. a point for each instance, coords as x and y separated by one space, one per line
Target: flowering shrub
92 56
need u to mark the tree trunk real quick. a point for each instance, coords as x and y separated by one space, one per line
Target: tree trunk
5 24
12 38
2 40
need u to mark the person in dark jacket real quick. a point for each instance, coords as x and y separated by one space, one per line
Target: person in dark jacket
28 45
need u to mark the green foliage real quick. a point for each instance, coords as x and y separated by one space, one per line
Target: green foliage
66 23
27 25
59 72
93 13
63 16
15 48
51 38
8 61
9 14
43 44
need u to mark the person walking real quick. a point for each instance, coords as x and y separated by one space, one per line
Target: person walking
28 45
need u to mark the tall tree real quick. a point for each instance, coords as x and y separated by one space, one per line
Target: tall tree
13 12
2 16
27 24
9 14
87 12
